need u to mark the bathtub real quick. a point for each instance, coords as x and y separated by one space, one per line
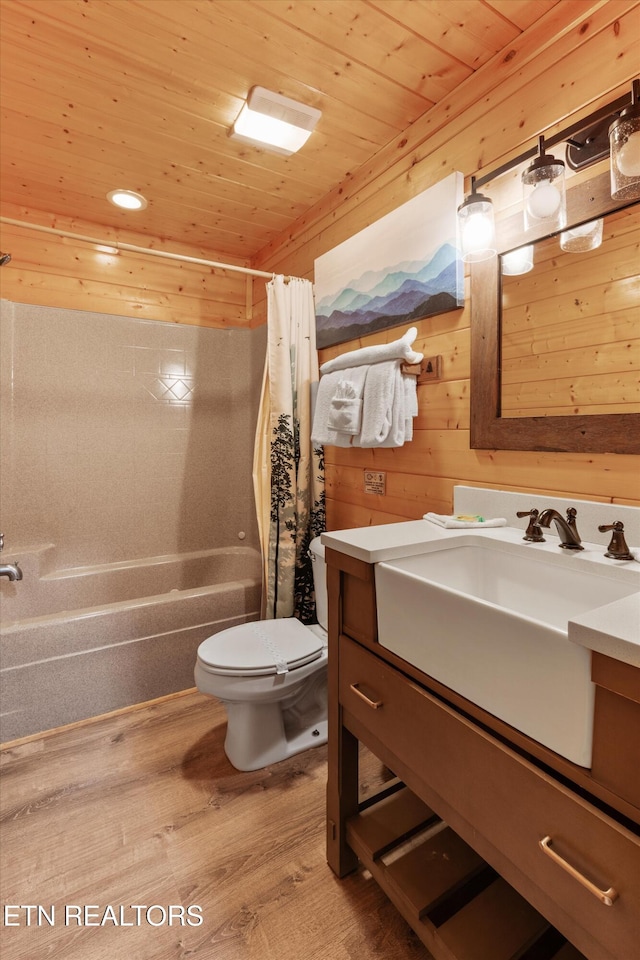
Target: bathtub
81 642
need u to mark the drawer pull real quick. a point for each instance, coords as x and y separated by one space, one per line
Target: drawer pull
374 704
605 896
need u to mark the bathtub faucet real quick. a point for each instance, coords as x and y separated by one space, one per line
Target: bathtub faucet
10 570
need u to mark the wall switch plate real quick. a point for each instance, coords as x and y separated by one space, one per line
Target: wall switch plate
430 369
375 481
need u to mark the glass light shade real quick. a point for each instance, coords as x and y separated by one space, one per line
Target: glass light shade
543 193
517 261
588 236
624 139
477 228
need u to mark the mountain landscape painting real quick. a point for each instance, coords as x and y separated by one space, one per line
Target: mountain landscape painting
401 268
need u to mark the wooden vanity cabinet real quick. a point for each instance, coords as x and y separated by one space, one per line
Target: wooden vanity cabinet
488 852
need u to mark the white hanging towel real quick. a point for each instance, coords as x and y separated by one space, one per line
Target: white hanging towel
410 404
383 407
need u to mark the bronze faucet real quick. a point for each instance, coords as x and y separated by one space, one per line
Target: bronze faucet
567 530
617 549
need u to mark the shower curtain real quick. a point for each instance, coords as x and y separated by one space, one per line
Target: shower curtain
288 472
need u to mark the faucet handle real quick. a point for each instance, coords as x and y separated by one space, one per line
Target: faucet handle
572 513
617 549
534 530
1 542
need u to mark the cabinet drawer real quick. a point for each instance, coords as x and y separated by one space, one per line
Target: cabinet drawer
503 805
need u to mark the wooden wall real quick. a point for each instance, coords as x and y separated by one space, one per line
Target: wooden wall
542 83
58 272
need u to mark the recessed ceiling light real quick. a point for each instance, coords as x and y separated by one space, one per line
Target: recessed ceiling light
270 120
127 199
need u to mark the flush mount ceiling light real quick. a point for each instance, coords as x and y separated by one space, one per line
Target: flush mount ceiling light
270 120
127 199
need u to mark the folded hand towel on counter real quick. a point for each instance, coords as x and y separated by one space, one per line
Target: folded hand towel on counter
462 521
398 350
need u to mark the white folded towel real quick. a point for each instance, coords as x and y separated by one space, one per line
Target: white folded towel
451 523
345 411
398 350
364 399
322 434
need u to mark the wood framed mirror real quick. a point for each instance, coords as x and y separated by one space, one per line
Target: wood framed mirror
585 433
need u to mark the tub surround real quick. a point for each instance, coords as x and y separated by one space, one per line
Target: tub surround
503 829
123 438
87 641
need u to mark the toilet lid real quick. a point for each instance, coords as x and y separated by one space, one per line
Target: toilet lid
260 648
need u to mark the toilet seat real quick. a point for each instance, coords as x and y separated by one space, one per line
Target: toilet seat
260 648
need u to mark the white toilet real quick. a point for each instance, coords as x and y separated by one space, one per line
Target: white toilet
271 676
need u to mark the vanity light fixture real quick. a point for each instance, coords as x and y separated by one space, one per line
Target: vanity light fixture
477 228
275 122
127 199
516 262
543 180
586 236
624 140
543 191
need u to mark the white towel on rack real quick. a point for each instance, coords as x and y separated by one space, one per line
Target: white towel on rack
345 408
410 404
326 415
383 407
398 350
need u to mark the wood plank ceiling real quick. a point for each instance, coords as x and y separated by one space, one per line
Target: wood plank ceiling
140 94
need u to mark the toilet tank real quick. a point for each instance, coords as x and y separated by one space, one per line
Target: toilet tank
320 582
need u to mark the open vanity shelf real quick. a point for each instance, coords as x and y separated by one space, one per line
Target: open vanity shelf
492 848
457 904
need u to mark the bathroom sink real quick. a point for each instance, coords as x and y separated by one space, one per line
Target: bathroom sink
489 619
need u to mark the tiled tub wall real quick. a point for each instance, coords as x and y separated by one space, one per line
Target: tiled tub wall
124 438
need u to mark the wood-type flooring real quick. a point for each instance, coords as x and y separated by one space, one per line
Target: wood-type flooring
103 820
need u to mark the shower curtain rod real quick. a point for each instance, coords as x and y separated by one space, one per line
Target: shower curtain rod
119 245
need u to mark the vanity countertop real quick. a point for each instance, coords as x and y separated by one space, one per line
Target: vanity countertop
613 629
389 541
